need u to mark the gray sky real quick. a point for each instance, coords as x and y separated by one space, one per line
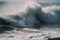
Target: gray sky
48 1
56 1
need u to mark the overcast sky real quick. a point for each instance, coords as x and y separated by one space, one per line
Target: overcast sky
56 1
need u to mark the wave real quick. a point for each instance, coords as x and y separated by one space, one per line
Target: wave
20 13
29 14
51 14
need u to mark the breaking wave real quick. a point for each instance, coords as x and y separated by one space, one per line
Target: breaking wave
51 14
28 14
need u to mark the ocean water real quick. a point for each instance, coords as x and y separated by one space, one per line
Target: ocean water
29 13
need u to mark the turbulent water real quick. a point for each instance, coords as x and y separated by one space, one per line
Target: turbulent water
29 13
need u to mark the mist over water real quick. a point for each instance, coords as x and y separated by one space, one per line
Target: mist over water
29 13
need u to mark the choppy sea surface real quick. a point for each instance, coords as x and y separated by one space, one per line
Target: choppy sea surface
21 16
